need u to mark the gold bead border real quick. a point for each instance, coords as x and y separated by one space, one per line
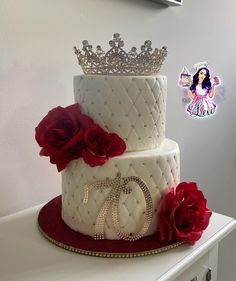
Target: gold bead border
110 255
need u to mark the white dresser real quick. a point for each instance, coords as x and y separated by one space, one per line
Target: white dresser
25 255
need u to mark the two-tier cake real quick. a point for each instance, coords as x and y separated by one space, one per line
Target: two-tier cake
113 182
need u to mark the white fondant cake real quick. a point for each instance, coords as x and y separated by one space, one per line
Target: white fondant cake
158 168
120 199
120 175
131 106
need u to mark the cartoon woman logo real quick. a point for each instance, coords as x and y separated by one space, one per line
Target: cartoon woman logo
201 90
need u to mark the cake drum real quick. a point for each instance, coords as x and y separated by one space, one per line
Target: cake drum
56 231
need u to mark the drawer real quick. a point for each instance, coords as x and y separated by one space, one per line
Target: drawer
199 271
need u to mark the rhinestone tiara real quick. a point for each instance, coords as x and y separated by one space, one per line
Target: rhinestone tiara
117 61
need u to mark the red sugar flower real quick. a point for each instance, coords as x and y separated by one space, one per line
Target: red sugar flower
100 145
60 134
183 215
66 134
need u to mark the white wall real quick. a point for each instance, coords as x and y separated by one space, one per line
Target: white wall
36 69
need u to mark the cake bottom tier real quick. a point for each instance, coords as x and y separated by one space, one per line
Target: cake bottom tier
119 200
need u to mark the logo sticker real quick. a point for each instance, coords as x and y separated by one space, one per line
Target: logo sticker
199 90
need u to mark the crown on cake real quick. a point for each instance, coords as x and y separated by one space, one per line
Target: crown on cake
117 61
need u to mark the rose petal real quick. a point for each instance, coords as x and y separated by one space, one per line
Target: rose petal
186 186
116 145
167 202
92 159
188 237
165 229
73 109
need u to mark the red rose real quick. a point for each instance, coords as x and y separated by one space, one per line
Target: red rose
183 215
100 145
60 134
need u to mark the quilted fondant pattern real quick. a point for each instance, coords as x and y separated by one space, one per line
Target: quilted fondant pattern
159 169
132 107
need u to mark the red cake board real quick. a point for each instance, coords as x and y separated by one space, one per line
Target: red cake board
55 230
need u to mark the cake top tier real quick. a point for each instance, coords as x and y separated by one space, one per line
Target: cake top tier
116 61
